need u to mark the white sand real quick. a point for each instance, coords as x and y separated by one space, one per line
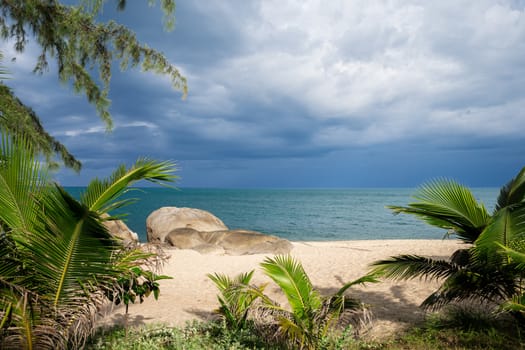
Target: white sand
190 295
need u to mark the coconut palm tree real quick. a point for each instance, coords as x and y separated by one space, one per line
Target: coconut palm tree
57 258
481 272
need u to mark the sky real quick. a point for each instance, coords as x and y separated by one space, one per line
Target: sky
286 94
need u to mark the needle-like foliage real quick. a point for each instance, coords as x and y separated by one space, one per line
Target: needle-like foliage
74 36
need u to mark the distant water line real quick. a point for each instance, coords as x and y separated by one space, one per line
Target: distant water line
296 214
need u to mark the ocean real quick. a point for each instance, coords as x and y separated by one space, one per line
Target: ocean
296 214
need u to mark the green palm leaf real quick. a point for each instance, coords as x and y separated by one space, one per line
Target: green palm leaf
516 304
223 282
290 276
295 333
477 282
236 298
74 248
339 302
513 192
506 227
103 195
517 257
370 278
21 181
413 266
448 205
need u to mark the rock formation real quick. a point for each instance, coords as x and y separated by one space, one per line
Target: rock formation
118 229
232 242
187 228
162 221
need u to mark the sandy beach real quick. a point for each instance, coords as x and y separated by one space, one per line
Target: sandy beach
190 295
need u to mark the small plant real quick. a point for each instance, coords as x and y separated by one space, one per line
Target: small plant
135 282
311 318
234 300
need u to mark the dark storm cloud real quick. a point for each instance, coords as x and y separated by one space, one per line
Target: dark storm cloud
343 93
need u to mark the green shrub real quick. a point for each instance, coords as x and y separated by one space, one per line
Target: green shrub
196 335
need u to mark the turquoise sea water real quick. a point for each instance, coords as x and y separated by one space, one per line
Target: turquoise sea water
296 214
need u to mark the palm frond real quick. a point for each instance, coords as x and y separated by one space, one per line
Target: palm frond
236 297
405 267
513 192
515 304
24 325
103 195
56 256
517 257
244 278
507 226
129 257
370 278
292 332
74 248
448 205
338 302
21 181
290 276
477 282
221 281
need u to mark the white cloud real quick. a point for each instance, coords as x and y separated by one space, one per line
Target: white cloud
394 65
120 123
78 132
19 62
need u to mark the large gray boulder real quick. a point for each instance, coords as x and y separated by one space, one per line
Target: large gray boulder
119 230
166 219
231 242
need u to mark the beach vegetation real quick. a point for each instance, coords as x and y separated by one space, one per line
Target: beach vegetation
438 333
236 298
135 281
57 259
193 336
308 320
490 270
311 316
465 327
